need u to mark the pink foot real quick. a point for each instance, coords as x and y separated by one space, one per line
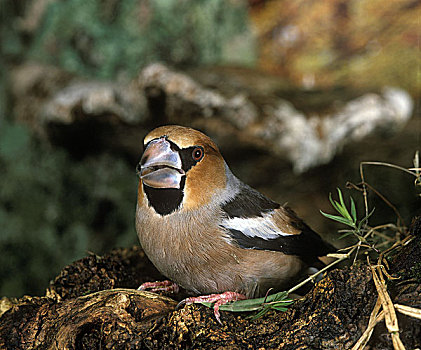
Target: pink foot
160 286
218 299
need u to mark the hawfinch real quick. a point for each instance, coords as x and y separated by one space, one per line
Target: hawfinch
209 232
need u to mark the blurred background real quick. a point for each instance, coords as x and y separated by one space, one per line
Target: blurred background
296 94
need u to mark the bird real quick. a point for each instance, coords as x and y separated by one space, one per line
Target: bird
209 232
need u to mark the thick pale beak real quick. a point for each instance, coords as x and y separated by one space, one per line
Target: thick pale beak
160 166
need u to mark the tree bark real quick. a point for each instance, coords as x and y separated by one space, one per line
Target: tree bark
86 307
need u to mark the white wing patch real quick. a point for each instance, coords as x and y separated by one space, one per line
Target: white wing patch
262 227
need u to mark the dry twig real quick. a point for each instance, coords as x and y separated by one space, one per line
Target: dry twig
408 310
389 311
375 317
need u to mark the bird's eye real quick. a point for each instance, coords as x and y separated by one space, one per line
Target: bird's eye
197 154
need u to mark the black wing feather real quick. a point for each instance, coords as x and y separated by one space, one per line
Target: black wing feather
308 245
249 203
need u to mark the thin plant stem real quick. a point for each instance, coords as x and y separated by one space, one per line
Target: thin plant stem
393 166
384 199
327 267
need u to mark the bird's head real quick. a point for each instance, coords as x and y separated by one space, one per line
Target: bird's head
181 168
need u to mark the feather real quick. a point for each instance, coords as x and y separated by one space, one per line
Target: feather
247 202
214 233
253 221
307 245
261 227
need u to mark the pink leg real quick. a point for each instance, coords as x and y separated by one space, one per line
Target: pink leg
218 299
160 286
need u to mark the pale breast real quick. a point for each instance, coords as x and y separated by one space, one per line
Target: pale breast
191 250
182 247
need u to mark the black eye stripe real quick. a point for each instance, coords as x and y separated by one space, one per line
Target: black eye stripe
186 155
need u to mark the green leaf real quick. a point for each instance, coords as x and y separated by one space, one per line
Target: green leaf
276 297
365 219
340 209
243 305
353 210
259 314
344 211
280 303
346 234
340 196
248 305
280 308
340 219
207 304
334 203
240 305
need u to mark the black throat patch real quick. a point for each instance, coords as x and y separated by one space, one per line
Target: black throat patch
165 200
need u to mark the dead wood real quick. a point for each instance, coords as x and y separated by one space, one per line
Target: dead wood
80 311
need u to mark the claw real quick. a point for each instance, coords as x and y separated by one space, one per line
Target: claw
217 299
180 304
160 286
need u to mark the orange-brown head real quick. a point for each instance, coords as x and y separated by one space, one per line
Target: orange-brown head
181 168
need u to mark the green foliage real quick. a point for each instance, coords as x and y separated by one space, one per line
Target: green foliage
54 210
278 301
104 39
347 217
